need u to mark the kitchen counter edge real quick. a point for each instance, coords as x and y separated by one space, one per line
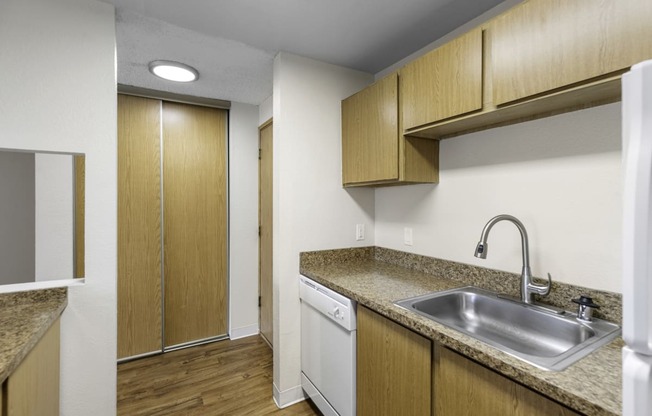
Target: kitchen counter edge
25 317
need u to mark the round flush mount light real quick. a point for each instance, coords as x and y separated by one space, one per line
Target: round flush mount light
173 71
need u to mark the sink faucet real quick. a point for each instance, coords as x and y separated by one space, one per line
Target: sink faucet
528 288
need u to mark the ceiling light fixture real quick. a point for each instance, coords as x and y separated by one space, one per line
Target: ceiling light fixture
173 71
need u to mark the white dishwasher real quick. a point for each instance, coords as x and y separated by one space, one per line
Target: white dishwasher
328 332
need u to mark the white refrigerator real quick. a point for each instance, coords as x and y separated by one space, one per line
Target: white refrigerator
637 240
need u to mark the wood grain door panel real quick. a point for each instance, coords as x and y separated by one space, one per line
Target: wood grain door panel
444 83
195 222
370 133
393 368
33 388
139 226
266 232
542 45
463 387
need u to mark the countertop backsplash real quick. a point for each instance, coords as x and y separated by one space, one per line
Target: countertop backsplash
498 281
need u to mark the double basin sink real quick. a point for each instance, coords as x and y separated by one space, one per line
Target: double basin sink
547 339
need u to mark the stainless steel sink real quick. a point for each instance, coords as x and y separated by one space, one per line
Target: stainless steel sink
548 340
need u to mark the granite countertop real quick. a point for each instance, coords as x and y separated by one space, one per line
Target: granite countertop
24 318
591 386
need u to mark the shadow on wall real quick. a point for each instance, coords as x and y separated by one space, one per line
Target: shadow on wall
361 196
584 132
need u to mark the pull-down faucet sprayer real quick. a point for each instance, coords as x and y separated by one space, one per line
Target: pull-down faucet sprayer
528 288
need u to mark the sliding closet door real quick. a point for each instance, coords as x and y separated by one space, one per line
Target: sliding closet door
195 222
139 226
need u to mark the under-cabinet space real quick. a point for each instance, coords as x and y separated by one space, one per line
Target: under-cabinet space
462 387
444 83
374 153
543 45
393 368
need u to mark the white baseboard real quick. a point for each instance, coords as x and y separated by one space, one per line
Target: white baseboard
288 397
245 331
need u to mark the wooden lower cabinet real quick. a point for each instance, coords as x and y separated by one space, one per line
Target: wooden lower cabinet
400 372
463 387
393 368
33 388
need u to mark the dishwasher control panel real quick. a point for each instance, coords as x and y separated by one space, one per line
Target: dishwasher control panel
330 303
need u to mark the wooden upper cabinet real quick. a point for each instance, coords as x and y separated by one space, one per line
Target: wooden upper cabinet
444 83
370 133
542 45
374 152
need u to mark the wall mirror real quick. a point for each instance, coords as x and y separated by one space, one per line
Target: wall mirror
41 216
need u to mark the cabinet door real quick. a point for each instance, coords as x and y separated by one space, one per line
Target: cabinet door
33 388
444 83
393 368
463 387
370 133
542 45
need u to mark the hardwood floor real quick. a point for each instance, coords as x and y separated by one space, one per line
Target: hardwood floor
222 378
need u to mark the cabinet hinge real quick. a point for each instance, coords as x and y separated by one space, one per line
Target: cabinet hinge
260 151
259 232
259 301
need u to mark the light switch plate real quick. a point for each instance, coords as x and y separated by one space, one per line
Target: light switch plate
407 236
359 232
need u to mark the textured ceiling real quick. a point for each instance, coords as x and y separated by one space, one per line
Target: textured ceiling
232 43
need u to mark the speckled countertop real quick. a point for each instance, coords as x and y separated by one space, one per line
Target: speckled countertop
377 277
24 319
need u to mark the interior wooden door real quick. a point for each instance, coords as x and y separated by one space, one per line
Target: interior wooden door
195 222
139 226
266 232
80 216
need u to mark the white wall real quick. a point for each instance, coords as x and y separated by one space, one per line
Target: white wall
59 94
311 209
243 220
265 111
559 175
54 216
16 217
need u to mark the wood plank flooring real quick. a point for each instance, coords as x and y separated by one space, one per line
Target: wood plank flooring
222 378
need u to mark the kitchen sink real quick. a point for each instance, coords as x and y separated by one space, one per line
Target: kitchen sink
546 339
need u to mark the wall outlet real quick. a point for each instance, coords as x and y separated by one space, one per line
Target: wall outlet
407 236
359 232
